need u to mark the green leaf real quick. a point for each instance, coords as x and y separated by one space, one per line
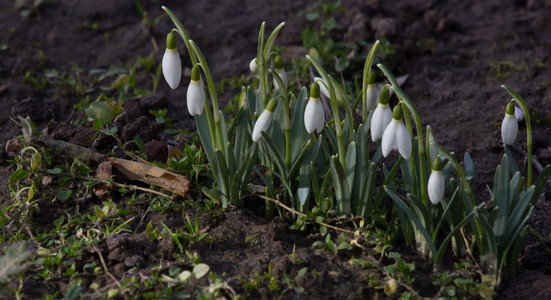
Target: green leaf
19 174
200 270
340 185
404 208
64 195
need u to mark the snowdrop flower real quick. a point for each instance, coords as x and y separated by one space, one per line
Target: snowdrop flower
172 66
322 85
253 66
323 89
519 114
436 184
263 122
280 70
314 115
381 117
195 93
396 135
509 127
371 97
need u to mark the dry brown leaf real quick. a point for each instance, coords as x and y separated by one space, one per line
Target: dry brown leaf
103 172
153 175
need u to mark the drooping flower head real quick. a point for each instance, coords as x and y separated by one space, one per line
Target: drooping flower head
314 115
381 116
252 65
396 135
172 66
371 93
324 89
280 70
264 120
509 126
195 93
436 184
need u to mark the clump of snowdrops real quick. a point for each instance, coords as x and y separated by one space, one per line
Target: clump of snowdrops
315 155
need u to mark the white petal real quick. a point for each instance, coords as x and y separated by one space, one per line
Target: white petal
172 67
310 115
252 65
320 116
372 97
389 137
262 124
519 114
403 140
509 129
323 86
380 120
195 98
436 186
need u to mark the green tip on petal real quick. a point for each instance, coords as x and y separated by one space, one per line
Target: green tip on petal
195 74
171 40
384 95
278 62
397 112
272 105
315 90
511 108
371 79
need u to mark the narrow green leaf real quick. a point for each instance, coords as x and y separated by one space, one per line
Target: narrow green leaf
340 185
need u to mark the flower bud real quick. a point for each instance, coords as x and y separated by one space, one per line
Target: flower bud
171 64
436 186
314 115
371 93
509 126
253 66
195 93
264 120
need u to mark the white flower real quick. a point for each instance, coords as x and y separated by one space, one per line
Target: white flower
396 136
314 115
371 97
262 124
252 65
172 67
436 186
195 98
509 126
519 114
509 129
323 86
380 120
323 89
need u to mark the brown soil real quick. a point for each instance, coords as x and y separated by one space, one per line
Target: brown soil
449 49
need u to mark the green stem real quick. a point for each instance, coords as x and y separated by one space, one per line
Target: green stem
419 128
334 109
524 108
182 31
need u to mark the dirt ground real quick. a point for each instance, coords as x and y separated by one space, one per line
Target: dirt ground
457 54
